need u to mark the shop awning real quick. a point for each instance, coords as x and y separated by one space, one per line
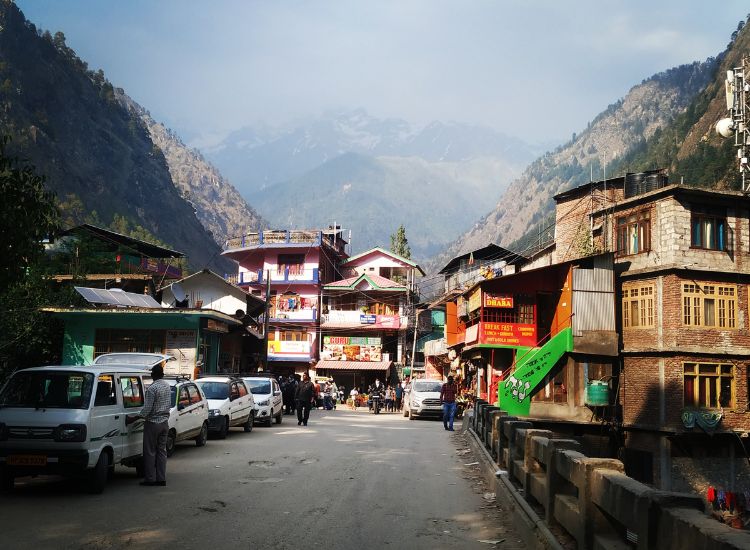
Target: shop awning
353 365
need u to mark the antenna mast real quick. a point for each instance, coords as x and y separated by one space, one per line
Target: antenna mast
737 87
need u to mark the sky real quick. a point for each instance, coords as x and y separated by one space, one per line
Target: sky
535 69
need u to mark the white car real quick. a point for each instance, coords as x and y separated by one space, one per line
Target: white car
188 417
230 404
423 398
268 401
71 421
136 360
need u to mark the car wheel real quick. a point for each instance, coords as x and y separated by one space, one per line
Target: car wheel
278 418
171 442
7 480
200 441
224 429
98 476
249 424
412 416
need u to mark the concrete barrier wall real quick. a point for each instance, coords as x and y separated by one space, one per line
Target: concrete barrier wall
591 498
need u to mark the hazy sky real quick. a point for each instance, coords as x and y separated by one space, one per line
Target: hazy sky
536 69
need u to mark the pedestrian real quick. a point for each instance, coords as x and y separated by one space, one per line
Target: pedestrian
353 396
155 412
448 399
327 392
389 399
304 396
399 395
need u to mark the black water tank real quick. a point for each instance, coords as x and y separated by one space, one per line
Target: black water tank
634 184
654 181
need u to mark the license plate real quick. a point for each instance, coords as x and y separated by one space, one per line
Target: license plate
27 460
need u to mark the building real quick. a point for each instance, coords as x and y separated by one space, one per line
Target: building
366 318
106 259
294 265
681 258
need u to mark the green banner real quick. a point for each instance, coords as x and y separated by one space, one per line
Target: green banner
514 395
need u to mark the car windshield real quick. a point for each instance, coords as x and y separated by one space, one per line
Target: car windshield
145 360
258 386
215 390
48 389
426 386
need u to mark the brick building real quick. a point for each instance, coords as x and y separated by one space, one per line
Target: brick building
682 274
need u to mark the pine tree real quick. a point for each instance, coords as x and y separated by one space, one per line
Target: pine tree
400 244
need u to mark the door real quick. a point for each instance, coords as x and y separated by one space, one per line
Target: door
276 397
184 420
131 390
199 412
107 417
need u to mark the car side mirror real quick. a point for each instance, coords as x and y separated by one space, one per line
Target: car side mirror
277 392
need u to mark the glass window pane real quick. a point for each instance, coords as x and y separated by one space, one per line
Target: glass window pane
708 312
713 400
725 399
689 391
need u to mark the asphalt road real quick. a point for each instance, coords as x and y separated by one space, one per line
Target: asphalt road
347 480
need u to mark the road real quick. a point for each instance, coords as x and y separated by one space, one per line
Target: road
349 479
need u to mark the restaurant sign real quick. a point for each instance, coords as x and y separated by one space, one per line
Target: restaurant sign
491 300
507 334
351 348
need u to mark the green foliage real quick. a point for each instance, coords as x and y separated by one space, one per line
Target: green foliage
28 215
400 244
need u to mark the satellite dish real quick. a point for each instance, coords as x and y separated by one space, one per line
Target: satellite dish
725 127
178 292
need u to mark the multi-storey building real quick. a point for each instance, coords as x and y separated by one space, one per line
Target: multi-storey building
366 318
296 264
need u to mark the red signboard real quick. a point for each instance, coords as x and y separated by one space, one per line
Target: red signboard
498 301
507 334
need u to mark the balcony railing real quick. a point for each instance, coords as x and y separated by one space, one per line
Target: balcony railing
276 237
287 275
294 315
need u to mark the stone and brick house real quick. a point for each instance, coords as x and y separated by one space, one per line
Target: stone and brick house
682 281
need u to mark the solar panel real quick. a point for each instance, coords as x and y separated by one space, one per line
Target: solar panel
117 297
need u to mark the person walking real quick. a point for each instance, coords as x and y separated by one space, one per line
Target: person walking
389 399
155 412
448 398
304 395
399 396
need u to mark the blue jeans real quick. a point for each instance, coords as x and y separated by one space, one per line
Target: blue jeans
449 411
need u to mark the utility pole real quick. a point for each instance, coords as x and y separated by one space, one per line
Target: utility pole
265 320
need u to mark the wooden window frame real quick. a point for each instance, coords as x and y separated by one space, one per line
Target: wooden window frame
638 301
709 305
700 219
708 377
638 224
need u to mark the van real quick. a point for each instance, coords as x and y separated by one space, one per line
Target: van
71 421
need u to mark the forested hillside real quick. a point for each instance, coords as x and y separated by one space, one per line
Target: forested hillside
95 155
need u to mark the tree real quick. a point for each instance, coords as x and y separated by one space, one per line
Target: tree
28 214
400 244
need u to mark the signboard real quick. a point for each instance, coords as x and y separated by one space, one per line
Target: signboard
475 300
472 333
490 300
368 319
507 334
289 348
351 348
181 345
216 326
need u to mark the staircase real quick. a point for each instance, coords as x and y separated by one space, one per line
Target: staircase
514 394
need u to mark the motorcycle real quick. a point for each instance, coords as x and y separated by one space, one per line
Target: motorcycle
376 402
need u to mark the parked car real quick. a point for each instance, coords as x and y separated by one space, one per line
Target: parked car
423 398
268 400
229 402
137 360
70 421
188 416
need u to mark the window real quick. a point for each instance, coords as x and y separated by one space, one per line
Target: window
633 234
380 308
195 396
291 336
709 385
184 397
522 312
132 392
105 391
709 305
242 389
638 306
139 341
708 229
295 263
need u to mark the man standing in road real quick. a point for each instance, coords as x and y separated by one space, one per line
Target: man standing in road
304 395
448 399
155 412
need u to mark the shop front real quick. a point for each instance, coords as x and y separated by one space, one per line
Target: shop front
199 340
